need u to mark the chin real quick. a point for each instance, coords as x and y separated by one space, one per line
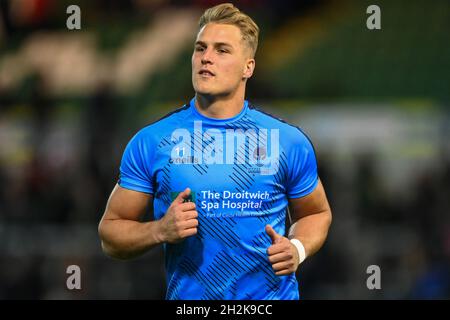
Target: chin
203 91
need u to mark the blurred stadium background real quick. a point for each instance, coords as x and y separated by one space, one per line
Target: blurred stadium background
375 103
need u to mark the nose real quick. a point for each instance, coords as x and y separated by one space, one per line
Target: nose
206 57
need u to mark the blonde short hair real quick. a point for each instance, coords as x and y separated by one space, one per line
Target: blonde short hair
227 13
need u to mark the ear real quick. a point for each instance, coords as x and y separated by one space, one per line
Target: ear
249 67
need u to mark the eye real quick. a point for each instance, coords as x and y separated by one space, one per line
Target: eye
199 48
222 51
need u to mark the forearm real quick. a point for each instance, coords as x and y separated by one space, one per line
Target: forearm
312 231
125 239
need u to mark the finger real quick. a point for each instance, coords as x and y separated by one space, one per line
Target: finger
275 248
280 257
188 215
187 206
189 224
182 195
272 234
285 272
280 266
189 232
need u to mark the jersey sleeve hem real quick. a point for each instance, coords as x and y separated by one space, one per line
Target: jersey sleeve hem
304 192
132 185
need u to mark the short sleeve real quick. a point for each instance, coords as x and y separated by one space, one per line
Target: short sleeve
303 177
135 167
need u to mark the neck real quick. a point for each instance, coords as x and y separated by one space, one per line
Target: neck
219 107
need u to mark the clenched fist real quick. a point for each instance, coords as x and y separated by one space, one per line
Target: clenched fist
283 255
180 220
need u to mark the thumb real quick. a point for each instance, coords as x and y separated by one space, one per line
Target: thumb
182 195
272 234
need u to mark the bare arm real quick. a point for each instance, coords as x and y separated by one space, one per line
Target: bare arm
121 231
311 219
124 236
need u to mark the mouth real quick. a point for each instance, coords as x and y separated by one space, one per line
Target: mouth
206 73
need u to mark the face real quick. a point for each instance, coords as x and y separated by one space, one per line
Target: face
221 61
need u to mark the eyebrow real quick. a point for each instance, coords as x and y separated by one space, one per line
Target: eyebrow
216 44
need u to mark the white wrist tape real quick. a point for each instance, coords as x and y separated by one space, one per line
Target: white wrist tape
300 248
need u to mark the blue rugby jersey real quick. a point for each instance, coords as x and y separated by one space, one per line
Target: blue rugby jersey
241 171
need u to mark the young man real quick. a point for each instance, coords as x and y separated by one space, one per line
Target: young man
220 175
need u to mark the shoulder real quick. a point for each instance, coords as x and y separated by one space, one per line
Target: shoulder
289 132
163 126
